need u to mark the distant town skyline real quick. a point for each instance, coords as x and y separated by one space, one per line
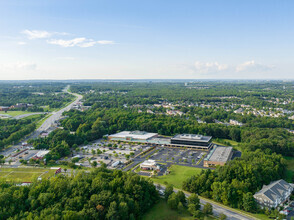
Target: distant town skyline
146 39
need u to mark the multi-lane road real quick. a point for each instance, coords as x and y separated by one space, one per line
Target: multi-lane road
54 116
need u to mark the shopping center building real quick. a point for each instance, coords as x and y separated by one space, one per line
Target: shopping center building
191 141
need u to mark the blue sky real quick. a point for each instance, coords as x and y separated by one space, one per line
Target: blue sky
54 39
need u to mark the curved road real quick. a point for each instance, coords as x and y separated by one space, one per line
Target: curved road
217 209
46 124
57 115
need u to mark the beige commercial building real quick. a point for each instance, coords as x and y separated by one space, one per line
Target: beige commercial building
219 155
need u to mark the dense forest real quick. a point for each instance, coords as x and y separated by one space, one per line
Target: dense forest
36 93
235 183
13 130
101 194
240 92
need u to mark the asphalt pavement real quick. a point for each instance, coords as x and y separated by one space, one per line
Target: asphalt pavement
55 116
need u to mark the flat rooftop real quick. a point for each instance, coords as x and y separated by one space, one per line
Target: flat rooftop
148 163
142 135
220 154
192 137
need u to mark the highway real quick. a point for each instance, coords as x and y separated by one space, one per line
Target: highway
54 116
57 115
217 210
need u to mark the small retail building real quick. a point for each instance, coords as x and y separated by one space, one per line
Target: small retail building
149 165
219 155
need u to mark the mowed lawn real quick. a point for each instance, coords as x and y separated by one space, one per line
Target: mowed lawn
177 175
231 143
14 113
25 174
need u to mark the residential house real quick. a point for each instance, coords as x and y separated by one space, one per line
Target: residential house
274 194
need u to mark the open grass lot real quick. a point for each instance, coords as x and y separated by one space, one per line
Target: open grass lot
34 116
230 142
161 211
290 168
24 174
177 175
14 113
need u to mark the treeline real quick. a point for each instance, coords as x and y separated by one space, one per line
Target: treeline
235 183
52 100
268 140
59 142
11 131
97 122
38 94
249 93
101 194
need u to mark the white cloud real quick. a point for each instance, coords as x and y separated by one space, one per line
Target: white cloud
79 42
105 42
36 34
252 66
208 67
67 43
40 34
90 43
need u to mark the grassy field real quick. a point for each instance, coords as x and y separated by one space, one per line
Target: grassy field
14 113
24 174
230 142
34 116
177 175
290 168
161 211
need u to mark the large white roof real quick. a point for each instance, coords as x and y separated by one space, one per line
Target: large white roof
142 135
220 154
148 163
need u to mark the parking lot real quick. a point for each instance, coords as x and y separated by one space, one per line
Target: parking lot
126 156
114 155
178 156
